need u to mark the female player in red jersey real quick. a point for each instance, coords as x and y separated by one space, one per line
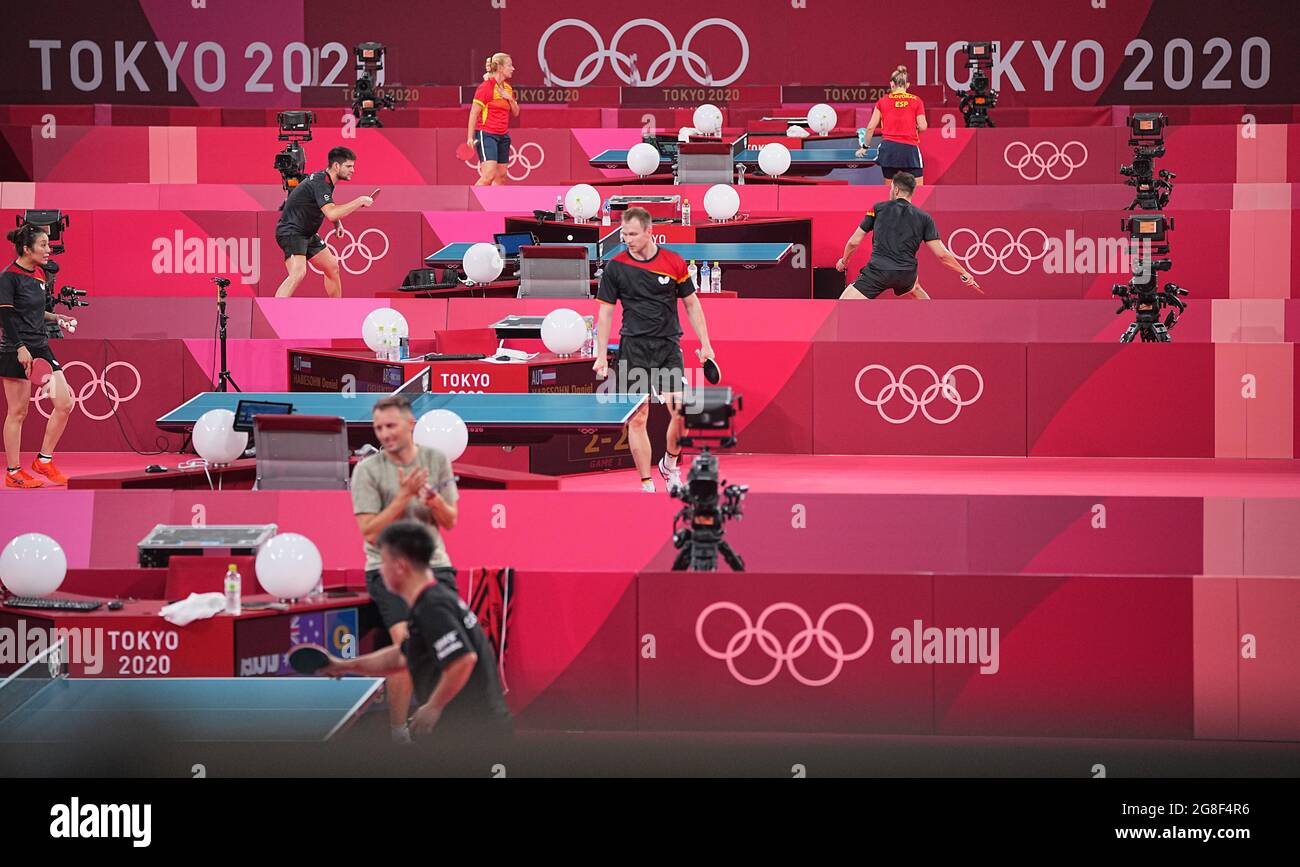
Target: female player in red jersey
489 121
900 117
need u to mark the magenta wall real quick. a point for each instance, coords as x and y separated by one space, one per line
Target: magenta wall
246 58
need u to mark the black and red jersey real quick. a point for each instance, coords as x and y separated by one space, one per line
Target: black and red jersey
23 293
649 291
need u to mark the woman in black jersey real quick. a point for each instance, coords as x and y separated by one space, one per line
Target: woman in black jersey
23 339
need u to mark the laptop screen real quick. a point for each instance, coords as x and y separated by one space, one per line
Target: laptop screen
247 409
510 242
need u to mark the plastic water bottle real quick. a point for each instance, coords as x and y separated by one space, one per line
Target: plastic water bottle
233 587
716 277
589 346
694 271
604 218
706 280
686 212
559 208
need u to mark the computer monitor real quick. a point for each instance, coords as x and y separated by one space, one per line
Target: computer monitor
510 242
247 409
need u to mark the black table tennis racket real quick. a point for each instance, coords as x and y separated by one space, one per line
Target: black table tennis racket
712 372
308 659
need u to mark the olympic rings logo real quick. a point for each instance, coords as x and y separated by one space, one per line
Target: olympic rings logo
1034 157
517 157
757 633
998 256
945 386
624 65
97 383
356 245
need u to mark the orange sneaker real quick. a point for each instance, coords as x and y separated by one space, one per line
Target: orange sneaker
22 479
50 471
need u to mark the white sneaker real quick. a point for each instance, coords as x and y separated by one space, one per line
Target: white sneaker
672 478
648 487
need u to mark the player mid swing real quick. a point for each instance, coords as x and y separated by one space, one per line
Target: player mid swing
898 228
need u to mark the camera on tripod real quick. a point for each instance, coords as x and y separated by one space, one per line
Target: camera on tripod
54 223
975 103
291 163
1152 189
1143 293
366 100
709 502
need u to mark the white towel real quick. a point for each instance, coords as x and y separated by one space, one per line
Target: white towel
199 606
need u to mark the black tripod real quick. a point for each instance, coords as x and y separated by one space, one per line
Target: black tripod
224 381
1148 305
701 541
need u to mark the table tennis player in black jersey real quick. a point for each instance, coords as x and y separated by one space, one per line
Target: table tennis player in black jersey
648 280
898 229
452 664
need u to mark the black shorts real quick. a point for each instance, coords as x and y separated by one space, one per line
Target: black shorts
299 245
649 365
491 147
11 368
393 608
872 281
894 157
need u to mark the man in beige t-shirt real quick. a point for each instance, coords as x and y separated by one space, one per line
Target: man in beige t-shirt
404 481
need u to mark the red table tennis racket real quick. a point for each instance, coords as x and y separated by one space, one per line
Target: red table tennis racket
464 152
308 658
712 372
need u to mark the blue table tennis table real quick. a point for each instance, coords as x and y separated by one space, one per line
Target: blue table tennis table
492 419
806 161
219 709
763 254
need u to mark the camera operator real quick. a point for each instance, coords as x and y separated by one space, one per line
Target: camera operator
24 339
310 204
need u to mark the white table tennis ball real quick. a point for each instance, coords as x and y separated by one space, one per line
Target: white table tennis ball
215 437
822 118
483 263
33 564
443 431
288 566
564 331
774 159
721 202
643 159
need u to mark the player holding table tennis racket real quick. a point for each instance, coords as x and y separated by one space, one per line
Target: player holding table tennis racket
489 121
901 118
898 229
310 204
648 280
446 652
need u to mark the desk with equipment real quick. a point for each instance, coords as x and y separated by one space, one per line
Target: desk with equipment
573 432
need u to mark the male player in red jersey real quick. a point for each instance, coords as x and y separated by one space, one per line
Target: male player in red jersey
648 280
901 118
